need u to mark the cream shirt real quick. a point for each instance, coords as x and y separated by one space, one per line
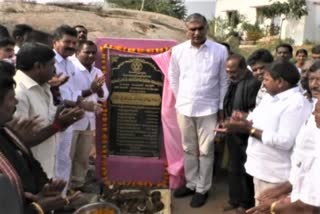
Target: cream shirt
83 81
280 118
198 78
33 100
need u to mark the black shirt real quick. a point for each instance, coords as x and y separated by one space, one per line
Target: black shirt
32 176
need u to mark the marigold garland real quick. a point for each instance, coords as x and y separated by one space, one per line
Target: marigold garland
104 137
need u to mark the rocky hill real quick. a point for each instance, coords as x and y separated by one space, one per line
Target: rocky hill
101 22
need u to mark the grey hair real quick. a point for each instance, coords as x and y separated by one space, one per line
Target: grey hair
198 17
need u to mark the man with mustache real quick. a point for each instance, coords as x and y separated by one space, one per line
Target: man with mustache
241 96
82 32
36 67
64 43
36 192
91 82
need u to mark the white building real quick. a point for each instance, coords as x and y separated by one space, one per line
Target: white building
306 28
204 7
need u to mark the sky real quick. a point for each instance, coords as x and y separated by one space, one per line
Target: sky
205 7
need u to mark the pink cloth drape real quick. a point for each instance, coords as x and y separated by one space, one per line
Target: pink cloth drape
171 132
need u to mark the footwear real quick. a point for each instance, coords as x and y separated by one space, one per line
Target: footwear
183 192
229 207
198 200
240 210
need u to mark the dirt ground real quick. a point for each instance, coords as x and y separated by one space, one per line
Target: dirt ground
218 197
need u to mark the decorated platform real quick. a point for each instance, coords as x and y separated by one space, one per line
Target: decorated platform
130 150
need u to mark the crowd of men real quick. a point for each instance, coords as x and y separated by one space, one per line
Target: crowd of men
265 108
50 96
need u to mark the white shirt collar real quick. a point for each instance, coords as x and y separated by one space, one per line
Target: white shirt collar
205 44
80 66
25 80
58 57
285 94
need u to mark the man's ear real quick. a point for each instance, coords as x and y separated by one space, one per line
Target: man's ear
283 83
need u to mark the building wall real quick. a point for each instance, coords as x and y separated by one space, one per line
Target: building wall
307 28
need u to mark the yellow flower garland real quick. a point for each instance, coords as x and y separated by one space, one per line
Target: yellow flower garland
104 137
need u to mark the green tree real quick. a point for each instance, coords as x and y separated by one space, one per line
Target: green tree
291 9
175 8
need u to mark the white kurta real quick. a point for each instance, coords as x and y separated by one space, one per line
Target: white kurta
305 173
33 100
280 118
68 92
198 78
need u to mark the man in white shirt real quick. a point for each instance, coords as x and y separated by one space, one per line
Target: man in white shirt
90 82
257 61
64 43
304 160
36 67
199 82
305 175
273 127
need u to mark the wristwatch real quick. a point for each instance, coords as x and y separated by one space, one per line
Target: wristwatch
252 131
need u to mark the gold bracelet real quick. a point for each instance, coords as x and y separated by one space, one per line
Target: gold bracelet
252 131
272 208
37 207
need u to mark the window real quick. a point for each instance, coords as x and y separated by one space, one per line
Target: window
233 18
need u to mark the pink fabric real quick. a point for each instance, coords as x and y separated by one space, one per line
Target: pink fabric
171 132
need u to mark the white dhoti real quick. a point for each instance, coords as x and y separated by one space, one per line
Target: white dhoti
63 161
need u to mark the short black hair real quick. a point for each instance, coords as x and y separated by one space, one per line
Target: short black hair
285 45
64 30
21 30
302 50
80 26
261 55
227 46
315 49
4 32
31 53
285 70
7 67
242 61
83 43
315 66
197 16
4 41
7 82
40 37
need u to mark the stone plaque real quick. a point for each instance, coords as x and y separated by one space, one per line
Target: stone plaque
135 106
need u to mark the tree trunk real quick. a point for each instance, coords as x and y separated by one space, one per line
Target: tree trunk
142 5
